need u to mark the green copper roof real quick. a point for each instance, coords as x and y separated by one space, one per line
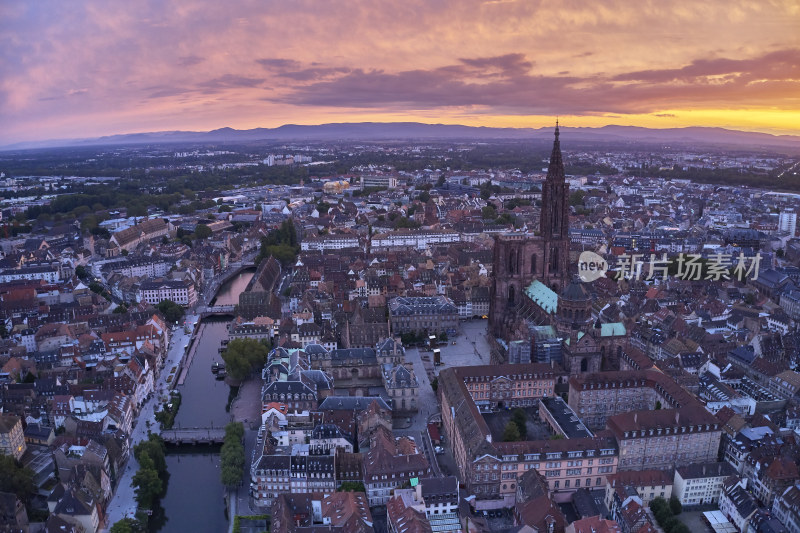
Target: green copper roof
543 296
612 329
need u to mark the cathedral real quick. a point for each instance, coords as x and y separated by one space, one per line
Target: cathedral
532 284
520 258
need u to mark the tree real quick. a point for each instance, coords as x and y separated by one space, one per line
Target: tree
351 486
658 504
127 525
669 524
576 197
280 243
675 505
232 455
242 356
489 212
658 405
435 384
202 232
81 271
681 528
16 479
405 222
148 485
520 418
155 449
505 219
424 196
511 432
172 312
137 210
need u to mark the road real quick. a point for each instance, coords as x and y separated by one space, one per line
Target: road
123 503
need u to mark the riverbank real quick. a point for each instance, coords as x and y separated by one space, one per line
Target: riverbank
186 363
246 407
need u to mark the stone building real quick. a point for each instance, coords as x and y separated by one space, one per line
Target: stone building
596 397
520 258
491 469
402 386
365 328
431 314
258 298
666 438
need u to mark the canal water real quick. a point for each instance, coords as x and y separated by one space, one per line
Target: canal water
194 499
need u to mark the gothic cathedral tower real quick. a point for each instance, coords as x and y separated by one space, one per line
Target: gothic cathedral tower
519 258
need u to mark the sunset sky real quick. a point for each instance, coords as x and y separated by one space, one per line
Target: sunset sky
84 69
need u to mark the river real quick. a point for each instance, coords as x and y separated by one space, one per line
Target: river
194 499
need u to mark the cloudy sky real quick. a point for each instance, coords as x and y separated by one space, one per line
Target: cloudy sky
89 68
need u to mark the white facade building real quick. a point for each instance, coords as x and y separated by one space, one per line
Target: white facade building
179 291
700 484
413 239
330 242
787 222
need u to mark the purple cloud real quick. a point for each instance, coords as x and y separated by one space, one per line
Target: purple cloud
507 84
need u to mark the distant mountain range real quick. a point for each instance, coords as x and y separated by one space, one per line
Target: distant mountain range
415 131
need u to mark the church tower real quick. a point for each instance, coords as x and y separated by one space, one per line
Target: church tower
554 220
519 258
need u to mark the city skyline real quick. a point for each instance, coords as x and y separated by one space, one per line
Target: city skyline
101 69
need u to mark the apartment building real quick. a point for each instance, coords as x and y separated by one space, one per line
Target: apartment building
417 240
666 438
182 292
597 397
269 478
12 437
329 242
390 463
378 180
700 484
647 484
786 508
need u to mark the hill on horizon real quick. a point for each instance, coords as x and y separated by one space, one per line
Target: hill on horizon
416 131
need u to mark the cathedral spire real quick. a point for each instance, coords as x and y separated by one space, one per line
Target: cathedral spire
556 169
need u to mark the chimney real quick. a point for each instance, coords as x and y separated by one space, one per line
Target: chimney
635 417
677 418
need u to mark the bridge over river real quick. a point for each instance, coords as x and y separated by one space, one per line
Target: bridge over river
205 311
194 436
